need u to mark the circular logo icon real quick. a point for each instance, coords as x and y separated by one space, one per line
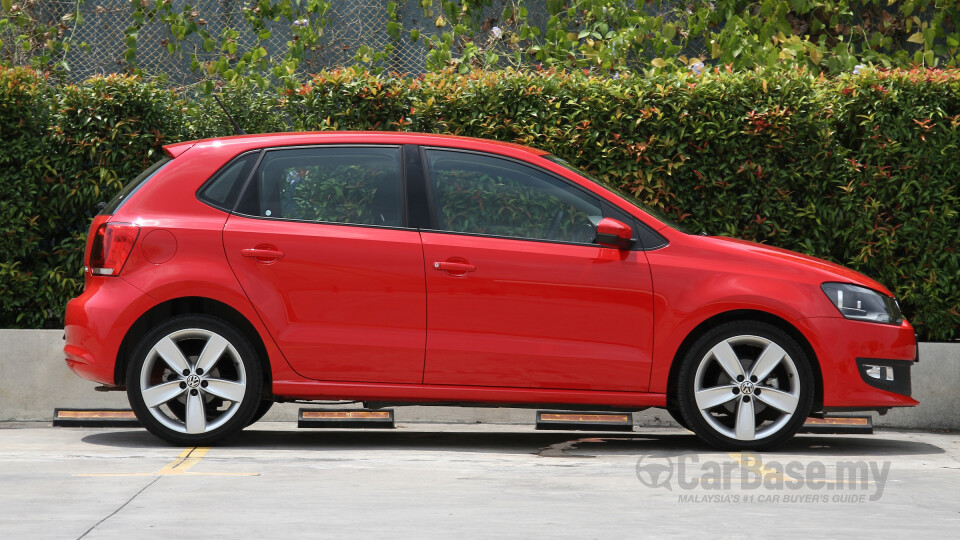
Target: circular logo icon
746 387
654 474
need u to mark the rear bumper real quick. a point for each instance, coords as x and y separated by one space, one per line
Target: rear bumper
96 323
847 349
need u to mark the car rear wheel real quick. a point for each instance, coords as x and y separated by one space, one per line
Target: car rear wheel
194 380
745 386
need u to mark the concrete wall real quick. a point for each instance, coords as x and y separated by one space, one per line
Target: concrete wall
34 380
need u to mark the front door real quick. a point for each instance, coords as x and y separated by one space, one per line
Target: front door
518 295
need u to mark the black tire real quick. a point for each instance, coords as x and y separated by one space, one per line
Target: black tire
208 397
773 386
678 417
261 411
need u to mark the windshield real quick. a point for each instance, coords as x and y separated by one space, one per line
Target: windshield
655 212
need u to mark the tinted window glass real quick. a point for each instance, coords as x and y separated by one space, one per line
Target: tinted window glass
222 190
133 186
655 212
487 195
361 185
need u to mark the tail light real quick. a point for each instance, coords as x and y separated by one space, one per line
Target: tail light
111 245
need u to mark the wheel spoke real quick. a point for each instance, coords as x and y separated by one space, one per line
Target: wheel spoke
711 397
746 428
228 390
769 359
161 393
212 352
172 355
779 399
196 416
728 360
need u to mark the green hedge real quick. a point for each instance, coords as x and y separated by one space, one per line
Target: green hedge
859 169
63 151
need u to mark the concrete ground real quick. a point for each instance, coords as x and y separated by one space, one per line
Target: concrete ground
471 481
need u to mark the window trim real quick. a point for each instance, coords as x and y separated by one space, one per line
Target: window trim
601 202
417 201
242 182
403 187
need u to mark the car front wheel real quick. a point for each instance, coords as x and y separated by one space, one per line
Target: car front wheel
745 386
194 380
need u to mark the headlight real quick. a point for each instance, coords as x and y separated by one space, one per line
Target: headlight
862 304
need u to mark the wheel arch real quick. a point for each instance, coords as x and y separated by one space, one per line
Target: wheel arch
745 315
190 305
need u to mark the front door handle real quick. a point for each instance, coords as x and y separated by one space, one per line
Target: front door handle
262 255
458 268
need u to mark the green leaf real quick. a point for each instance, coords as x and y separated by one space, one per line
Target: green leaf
669 31
815 55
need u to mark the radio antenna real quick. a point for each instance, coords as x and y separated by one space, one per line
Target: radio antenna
230 118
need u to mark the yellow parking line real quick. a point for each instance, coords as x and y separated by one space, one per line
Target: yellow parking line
188 458
752 463
178 467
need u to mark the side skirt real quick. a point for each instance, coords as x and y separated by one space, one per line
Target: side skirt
441 394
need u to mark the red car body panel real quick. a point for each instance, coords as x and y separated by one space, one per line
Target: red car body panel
748 276
539 328
837 342
354 310
537 315
95 326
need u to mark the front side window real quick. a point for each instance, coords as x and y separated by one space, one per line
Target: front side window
358 185
652 210
480 194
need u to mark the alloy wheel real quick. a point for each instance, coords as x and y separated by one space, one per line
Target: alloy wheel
193 381
747 387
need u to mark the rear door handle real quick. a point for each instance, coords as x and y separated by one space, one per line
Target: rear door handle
262 254
454 267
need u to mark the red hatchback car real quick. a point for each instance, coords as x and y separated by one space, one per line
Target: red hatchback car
408 268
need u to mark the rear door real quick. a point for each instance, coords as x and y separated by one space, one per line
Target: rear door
320 245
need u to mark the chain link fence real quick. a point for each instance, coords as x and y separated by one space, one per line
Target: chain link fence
97 44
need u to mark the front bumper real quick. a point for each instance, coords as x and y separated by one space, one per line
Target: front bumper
890 375
846 349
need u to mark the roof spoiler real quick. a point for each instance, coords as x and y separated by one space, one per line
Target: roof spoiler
175 149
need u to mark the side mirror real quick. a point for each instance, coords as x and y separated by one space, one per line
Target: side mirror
614 233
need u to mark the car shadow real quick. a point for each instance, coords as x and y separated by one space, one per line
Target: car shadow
543 443
818 446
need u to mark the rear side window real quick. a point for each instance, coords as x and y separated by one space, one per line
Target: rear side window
357 185
222 190
117 201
